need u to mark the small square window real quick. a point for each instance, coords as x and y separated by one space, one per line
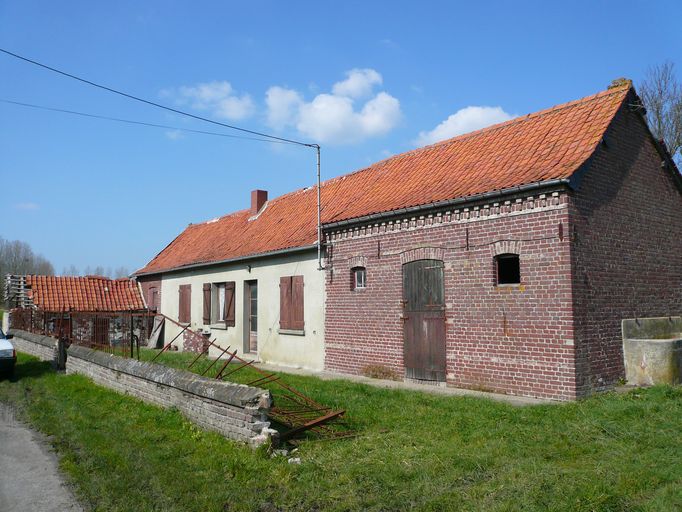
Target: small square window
508 269
359 278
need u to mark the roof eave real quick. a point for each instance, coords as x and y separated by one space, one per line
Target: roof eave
248 257
460 201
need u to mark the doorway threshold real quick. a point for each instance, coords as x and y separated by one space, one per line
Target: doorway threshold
430 383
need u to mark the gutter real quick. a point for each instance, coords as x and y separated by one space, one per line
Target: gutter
278 252
452 202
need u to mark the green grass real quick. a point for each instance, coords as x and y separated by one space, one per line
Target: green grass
415 451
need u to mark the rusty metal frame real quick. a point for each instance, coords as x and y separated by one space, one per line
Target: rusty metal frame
292 409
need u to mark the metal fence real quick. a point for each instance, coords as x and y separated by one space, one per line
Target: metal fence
115 332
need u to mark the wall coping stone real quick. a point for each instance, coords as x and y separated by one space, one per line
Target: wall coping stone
238 395
46 341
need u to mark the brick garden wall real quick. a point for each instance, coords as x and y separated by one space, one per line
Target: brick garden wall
191 343
627 257
236 411
516 340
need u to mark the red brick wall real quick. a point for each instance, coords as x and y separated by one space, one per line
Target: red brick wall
194 343
510 340
627 252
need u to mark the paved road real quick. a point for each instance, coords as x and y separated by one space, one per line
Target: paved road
29 476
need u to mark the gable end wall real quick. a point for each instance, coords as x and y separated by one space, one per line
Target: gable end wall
626 230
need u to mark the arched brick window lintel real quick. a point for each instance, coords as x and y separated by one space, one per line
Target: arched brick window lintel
422 253
506 247
357 261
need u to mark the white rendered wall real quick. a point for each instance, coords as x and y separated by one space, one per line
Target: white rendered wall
302 351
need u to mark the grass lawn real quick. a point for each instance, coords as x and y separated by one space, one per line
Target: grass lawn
414 451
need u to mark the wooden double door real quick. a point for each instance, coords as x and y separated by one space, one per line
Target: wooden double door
424 320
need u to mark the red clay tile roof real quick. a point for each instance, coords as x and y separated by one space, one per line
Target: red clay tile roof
90 293
550 144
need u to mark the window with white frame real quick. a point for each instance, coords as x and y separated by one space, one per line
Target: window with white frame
218 313
358 278
219 303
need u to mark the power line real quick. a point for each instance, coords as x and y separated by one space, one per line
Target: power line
158 105
316 147
141 123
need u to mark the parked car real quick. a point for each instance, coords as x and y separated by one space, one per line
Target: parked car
8 355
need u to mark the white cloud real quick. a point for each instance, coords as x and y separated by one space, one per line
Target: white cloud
335 118
465 120
282 105
358 84
217 97
27 206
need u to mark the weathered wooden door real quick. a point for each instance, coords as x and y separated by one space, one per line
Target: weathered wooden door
424 320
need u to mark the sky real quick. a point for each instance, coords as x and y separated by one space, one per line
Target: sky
365 80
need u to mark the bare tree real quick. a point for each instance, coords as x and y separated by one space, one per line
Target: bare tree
661 93
17 257
121 272
71 270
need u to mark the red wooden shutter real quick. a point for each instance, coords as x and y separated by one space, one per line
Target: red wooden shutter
207 303
285 302
184 309
229 303
181 303
297 322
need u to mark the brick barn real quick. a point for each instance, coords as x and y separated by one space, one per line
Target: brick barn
501 260
505 259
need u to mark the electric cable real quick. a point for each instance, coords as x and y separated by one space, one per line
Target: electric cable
130 121
154 104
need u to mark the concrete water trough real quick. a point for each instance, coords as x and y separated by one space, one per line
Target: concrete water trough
652 348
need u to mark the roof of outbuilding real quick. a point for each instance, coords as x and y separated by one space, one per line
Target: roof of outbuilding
546 145
89 293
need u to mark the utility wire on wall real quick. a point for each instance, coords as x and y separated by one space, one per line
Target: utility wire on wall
316 147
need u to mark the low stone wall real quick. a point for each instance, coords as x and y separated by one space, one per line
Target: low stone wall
41 347
236 411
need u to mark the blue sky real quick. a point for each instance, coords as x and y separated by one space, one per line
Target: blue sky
365 79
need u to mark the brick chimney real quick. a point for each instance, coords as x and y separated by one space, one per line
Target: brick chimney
258 199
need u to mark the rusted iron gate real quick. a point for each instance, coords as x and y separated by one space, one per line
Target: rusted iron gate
114 332
292 409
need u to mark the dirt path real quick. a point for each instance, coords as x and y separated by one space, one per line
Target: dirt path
29 474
